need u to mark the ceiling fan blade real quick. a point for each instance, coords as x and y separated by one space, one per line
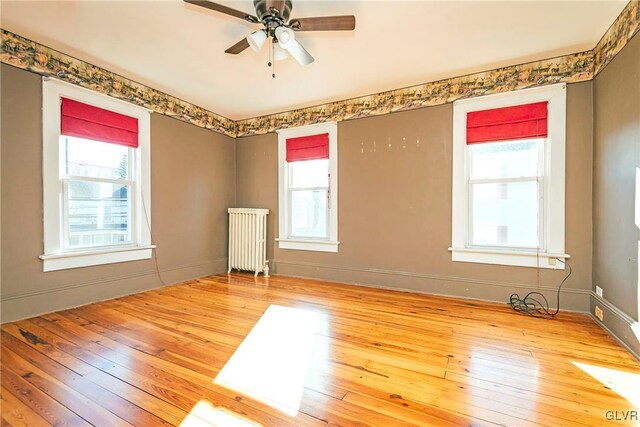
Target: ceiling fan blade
324 23
223 9
299 53
238 47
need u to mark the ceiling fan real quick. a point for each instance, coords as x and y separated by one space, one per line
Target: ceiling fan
274 17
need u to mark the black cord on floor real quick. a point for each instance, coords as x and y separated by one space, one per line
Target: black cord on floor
535 304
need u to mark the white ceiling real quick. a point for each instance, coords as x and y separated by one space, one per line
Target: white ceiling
179 48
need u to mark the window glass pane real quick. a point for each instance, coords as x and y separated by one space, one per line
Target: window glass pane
505 159
310 173
85 157
505 214
97 214
309 213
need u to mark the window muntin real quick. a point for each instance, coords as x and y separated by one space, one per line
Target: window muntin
505 190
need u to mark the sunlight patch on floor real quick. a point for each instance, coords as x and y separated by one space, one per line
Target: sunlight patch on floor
204 414
626 384
271 364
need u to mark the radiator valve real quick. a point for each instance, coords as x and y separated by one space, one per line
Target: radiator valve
266 268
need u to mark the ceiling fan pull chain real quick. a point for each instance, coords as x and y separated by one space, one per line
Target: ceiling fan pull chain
273 59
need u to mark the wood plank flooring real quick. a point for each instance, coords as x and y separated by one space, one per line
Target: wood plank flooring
231 350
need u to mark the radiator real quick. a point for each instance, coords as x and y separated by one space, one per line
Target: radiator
248 240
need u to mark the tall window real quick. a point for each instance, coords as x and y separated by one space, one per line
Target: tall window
96 179
508 180
308 188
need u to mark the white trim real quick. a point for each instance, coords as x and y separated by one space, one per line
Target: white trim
95 257
308 245
284 240
54 257
509 257
554 180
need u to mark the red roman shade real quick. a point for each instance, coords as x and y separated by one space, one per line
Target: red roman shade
310 147
501 124
86 121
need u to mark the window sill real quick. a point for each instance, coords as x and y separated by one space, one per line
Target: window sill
308 245
509 257
63 261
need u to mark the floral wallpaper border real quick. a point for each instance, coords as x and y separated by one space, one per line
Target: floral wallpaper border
568 69
618 35
29 55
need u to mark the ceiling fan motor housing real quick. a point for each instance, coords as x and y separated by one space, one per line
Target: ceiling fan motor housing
263 9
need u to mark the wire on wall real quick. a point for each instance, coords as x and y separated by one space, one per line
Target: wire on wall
535 304
155 250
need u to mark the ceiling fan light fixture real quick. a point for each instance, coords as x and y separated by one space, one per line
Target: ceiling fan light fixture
279 54
299 53
285 37
256 40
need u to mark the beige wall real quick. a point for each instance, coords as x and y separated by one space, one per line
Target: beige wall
193 183
616 232
394 217
395 207
616 158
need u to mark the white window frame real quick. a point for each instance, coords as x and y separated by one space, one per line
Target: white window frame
553 206
285 241
55 257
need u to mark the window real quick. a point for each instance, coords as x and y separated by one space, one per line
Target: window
96 194
505 197
96 179
508 178
308 191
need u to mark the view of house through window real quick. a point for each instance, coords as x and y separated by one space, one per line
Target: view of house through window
505 193
97 184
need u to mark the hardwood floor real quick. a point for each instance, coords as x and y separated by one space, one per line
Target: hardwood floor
234 351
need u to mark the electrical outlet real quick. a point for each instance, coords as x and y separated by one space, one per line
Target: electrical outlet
599 291
599 313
